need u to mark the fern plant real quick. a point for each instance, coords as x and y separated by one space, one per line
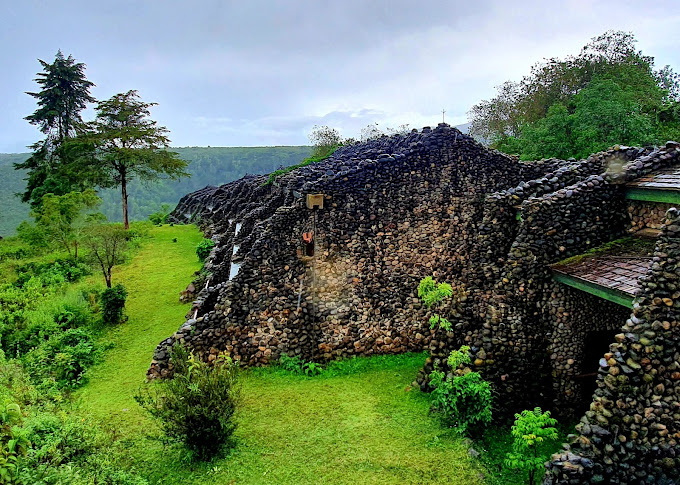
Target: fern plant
432 294
532 433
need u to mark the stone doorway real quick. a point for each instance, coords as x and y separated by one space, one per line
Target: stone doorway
596 344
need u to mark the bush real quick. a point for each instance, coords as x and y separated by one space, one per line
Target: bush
464 401
196 406
112 302
54 273
203 249
533 433
160 217
62 360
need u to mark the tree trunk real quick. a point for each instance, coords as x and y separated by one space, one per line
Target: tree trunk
107 277
124 194
75 255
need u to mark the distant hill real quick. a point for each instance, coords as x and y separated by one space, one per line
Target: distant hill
12 211
207 165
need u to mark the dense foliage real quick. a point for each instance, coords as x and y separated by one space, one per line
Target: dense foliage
608 94
196 407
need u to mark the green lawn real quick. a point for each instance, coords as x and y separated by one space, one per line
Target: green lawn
363 424
153 278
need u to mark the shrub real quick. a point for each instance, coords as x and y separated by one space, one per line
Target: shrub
464 401
160 217
532 433
62 360
203 249
112 302
196 406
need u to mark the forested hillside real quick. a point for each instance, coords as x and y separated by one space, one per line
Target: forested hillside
12 211
207 165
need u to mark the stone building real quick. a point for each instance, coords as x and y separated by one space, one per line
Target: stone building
325 262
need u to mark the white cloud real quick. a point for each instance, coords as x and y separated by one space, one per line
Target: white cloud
263 73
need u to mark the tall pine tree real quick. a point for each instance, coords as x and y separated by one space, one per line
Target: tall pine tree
64 93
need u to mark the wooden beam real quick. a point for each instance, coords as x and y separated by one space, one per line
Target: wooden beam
603 292
654 195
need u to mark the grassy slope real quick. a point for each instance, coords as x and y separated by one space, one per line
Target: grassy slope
154 278
365 427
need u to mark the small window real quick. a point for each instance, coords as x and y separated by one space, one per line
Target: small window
308 239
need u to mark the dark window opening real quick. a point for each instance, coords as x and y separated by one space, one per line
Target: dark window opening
309 249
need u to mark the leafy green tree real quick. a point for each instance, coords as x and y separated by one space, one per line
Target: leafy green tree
62 220
533 434
64 93
108 244
125 144
432 294
608 94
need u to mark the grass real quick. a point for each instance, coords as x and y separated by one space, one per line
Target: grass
153 278
359 422
623 246
315 158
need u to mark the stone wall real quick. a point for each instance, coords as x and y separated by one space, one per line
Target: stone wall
398 209
395 210
645 215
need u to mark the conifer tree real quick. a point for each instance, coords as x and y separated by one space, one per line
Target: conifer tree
64 93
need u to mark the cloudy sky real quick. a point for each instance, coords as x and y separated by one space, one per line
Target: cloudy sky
251 72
